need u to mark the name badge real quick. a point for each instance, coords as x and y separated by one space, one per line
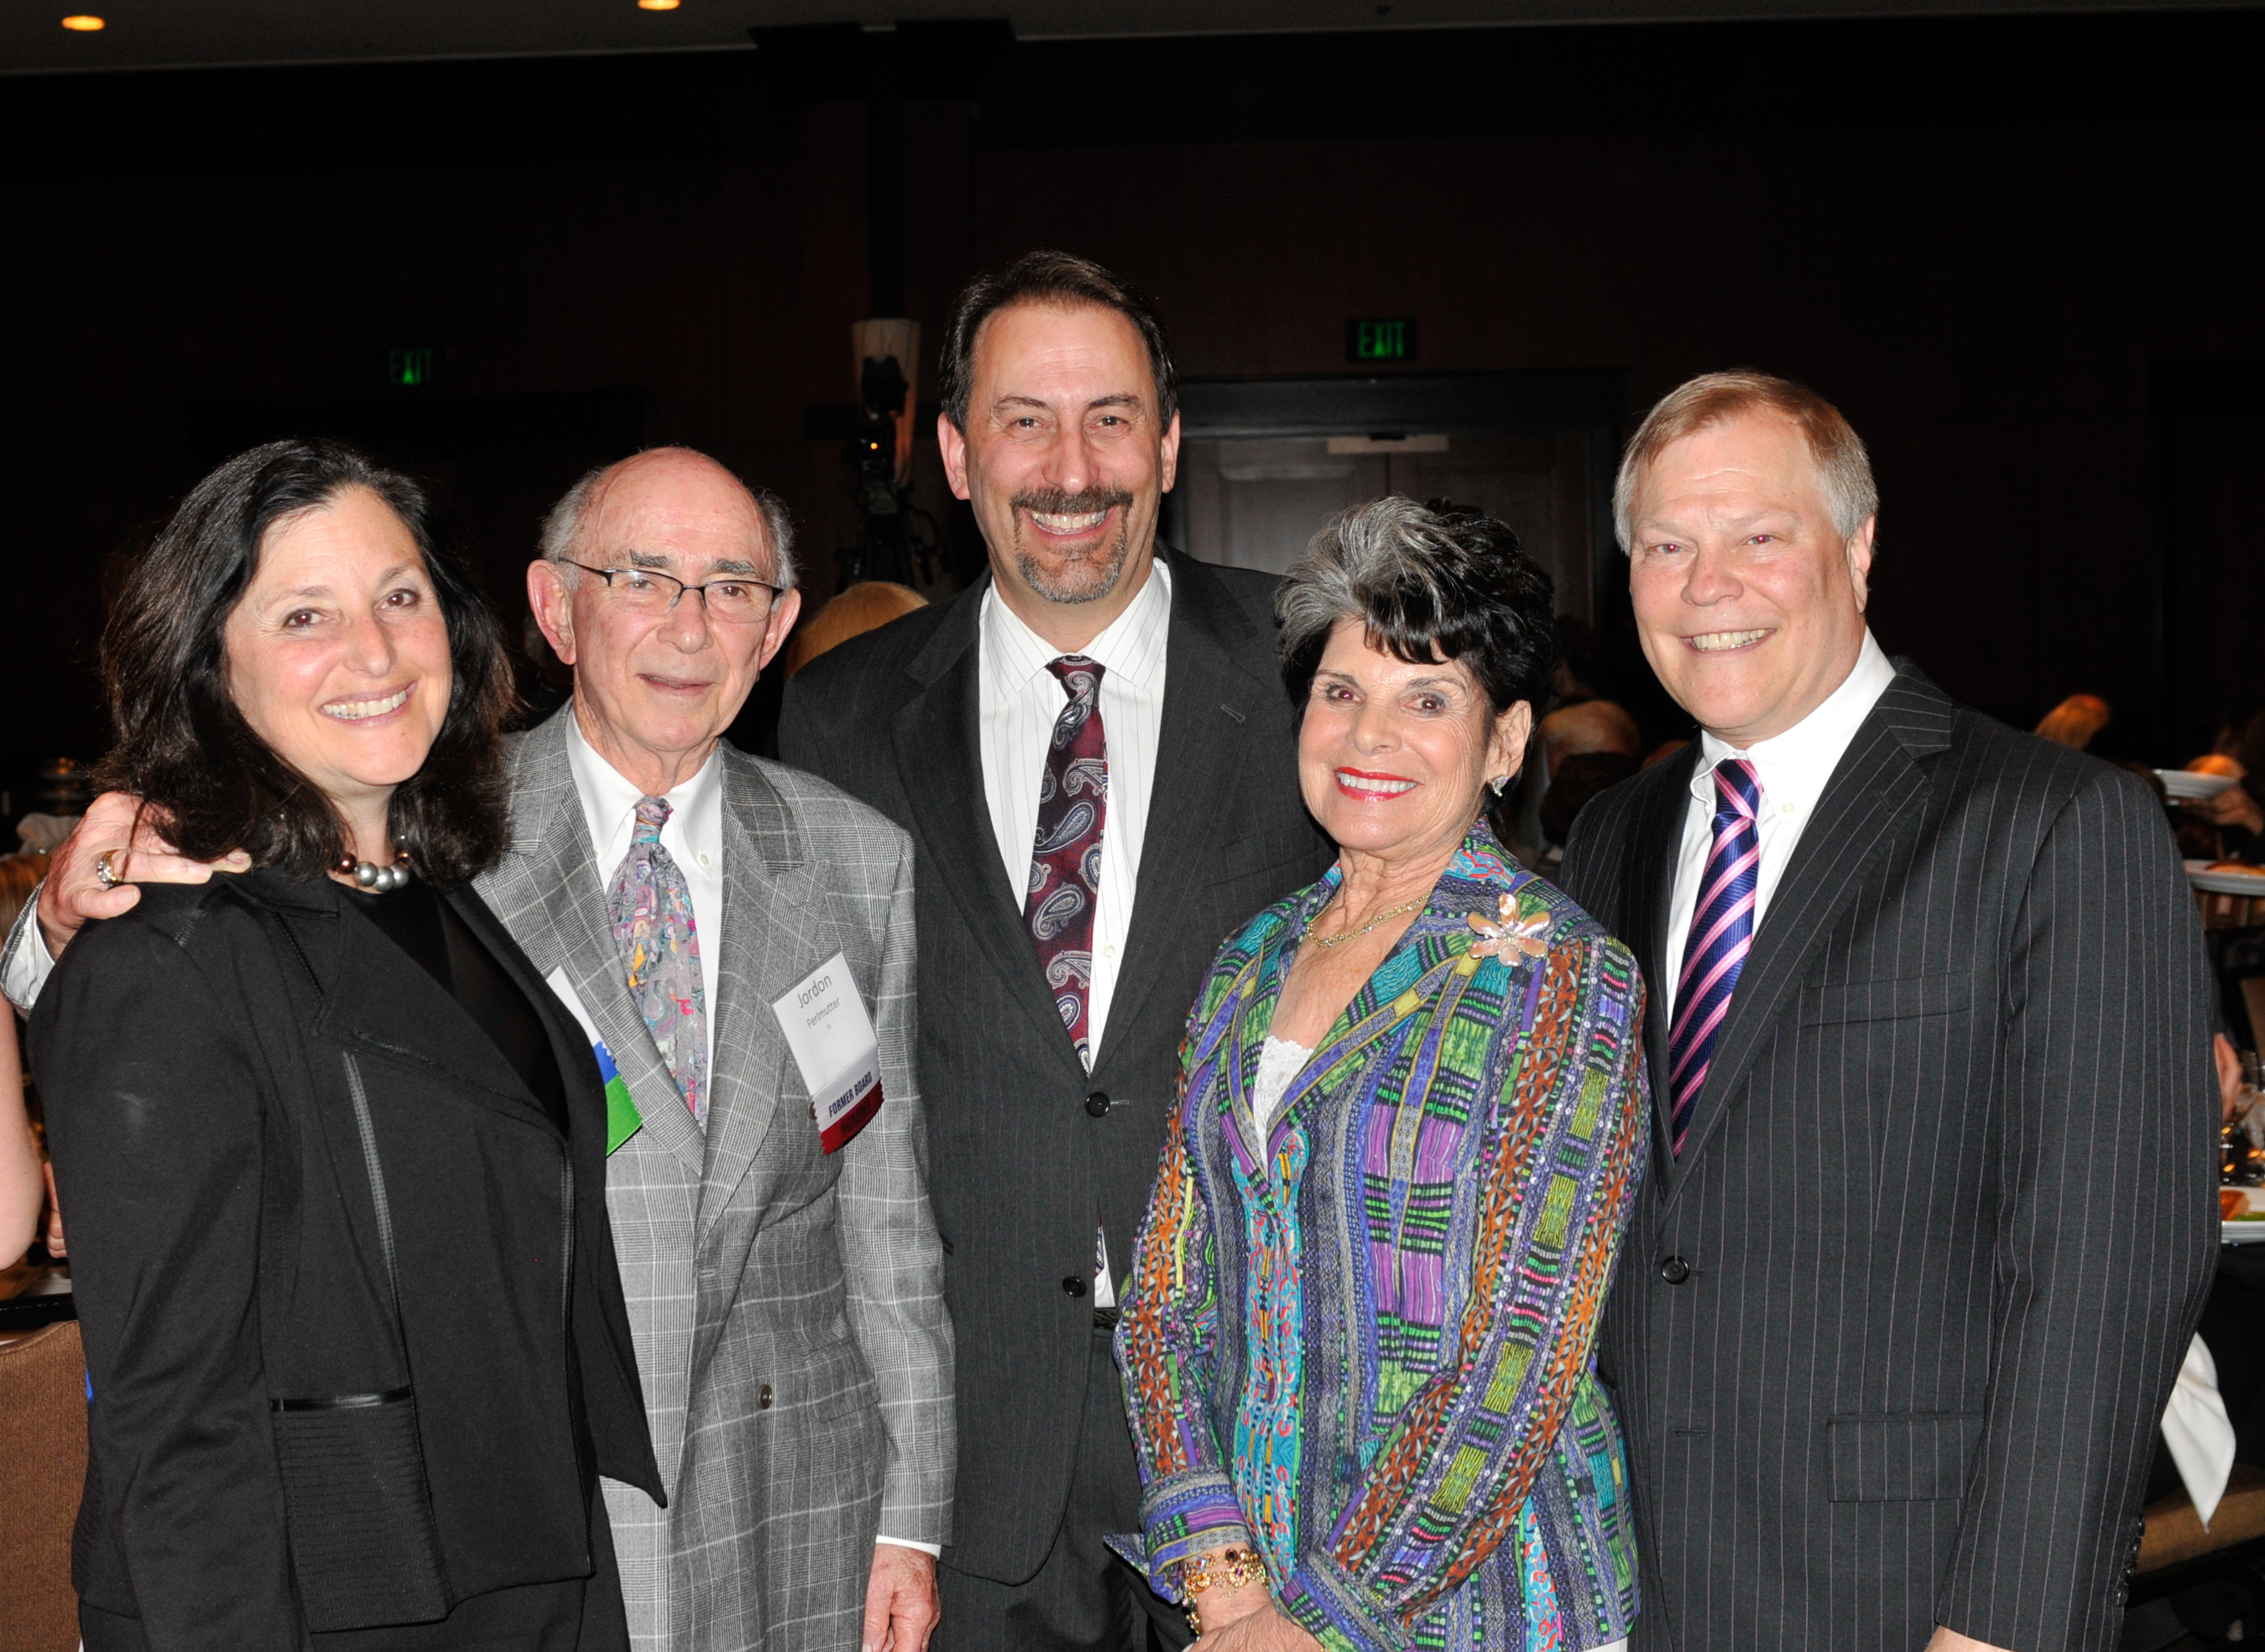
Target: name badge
831 1036
622 1119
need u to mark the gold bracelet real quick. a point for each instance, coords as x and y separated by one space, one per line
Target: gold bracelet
1236 1565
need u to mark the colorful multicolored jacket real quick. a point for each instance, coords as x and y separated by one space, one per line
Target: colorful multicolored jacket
1368 1357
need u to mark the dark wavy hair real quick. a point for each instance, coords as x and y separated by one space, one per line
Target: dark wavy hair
1052 278
1434 581
185 750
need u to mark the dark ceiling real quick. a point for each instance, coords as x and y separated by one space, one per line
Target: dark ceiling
169 33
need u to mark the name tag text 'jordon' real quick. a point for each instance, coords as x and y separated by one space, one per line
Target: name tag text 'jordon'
823 1017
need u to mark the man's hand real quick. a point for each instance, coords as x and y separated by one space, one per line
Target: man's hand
1951 1641
2233 807
1265 1630
73 895
900 1604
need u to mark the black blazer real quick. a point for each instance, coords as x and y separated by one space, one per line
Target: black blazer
1027 1151
1892 1336
268 1123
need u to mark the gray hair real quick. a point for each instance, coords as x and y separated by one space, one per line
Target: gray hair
1429 582
1843 469
563 528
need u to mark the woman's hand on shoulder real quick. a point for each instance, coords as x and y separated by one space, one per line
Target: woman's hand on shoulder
1264 1630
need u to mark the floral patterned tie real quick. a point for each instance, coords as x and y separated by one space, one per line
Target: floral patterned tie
652 910
1065 859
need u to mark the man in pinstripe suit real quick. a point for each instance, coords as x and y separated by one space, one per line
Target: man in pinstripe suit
785 1300
1929 1220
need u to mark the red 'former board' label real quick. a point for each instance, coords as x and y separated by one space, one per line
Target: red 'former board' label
843 1129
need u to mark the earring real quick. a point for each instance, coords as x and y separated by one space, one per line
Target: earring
1498 782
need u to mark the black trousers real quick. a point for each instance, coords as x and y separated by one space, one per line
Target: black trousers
1084 1598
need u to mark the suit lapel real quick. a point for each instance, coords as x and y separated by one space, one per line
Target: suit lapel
1877 793
420 1023
940 757
1200 754
569 929
1656 836
773 927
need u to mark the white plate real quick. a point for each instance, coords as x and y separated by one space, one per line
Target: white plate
2242 1233
2182 782
2250 883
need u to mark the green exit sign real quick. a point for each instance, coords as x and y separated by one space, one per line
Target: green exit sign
413 366
1391 339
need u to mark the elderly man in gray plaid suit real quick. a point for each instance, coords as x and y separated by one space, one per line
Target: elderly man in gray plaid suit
738 937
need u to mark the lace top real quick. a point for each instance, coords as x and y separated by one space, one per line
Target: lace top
1279 1062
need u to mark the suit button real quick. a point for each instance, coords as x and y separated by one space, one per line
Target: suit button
1674 1269
1073 1286
764 1398
1098 1104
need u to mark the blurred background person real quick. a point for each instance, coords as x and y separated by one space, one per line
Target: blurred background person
1439 1466
326 1407
853 611
1583 727
1577 781
2076 721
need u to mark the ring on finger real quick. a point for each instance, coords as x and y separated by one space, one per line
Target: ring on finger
104 873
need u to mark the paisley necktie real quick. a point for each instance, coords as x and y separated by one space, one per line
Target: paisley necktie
1065 859
652 910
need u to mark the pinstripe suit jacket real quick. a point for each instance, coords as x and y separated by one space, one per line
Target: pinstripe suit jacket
1946 1207
787 1306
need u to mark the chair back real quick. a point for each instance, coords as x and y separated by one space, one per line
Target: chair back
42 1469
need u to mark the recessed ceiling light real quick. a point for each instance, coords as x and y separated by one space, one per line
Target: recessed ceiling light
658 5
84 24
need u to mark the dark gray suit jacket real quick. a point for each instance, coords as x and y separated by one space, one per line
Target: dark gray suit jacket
1024 1155
1892 1336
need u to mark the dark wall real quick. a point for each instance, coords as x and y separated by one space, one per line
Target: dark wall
1982 239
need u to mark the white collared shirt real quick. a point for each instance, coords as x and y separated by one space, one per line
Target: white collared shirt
1020 701
693 836
1794 768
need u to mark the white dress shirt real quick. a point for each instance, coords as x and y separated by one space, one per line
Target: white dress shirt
1793 768
693 836
1020 700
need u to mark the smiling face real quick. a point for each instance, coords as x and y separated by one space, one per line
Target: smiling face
337 654
1064 462
1749 603
653 692
1392 756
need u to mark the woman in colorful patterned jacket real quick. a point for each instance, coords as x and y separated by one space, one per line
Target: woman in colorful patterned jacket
1356 1344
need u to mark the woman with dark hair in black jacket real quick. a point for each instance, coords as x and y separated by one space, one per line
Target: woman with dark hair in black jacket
333 1155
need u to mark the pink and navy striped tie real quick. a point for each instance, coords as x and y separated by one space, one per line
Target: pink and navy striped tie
1721 931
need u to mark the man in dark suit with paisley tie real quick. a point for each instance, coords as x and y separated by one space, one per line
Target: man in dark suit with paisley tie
1929 1218
1094 759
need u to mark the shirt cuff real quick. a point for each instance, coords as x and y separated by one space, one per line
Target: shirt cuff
934 1551
28 963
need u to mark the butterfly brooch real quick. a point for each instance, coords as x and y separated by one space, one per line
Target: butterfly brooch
1513 937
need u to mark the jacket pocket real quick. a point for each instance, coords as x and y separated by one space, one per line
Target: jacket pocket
363 1544
1911 1457
1893 999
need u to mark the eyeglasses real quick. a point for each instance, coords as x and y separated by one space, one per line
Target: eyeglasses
649 590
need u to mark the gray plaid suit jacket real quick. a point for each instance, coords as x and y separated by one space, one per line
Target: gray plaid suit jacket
787 1305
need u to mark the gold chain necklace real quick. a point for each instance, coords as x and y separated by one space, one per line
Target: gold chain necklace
1355 934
